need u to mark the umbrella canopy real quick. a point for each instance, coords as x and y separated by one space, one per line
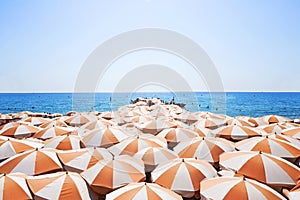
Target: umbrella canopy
13 186
269 145
236 132
32 162
59 185
52 132
80 119
275 119
20 131
143 190
262 167
186 117
153 156
294 193
104 137
183 176
176 135
81 159
36 121
292 132
53 123
10 146
275 128
64 142
132 145
204 148
286 138
155 126
239 122
107 175
228 188
203 132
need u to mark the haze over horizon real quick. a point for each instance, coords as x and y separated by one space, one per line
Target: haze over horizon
255 45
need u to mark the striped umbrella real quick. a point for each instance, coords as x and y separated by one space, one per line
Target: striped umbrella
64 142
155 126
273 128
81 159
286 138
275 119
176 135
13 186
262 167
32 162
59 185
10 146
228 188
255 121
236 132
292 132
186 117
53 123
4 127
269 145
80 119
294 193
104 137
153 156
52 132
108 175
143 190
36 121
203 132
132 145
240 122
183 176
204 148
20 131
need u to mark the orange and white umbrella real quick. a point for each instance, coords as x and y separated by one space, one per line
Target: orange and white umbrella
262 167
183 176
240 122
4 127
132 145
92 126
294 193
236 132
80 119
269 145
275 128
204 148
228 188
81 159
255 121
36 121
203 132
275 119
20 131
32 162
176 135
104 137
56 122
10 147
13 186
186 117
153 156
155 126
52 132
107 175
64 142
292 132
59 185
286 138
137 191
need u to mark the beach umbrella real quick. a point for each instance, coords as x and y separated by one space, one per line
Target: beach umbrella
54 123
71 113
256 121
94 125
36 121
13 186
155 126
236 132
153 156
183 176
108 175
79 160
59 185
130 129
143 191
32 162
80 119
275 119
104 137
4 127
262 167
240 122
203 132
176 135
186 117
292 132
10 147
140 119
207 123
294 193
133 144
228 188
64 142
204 148
20 131
52 132
269 145
286 138
273 128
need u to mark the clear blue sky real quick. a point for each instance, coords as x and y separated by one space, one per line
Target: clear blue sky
255 45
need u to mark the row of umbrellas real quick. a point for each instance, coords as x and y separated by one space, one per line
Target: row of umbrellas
158 152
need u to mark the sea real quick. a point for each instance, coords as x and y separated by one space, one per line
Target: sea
254 104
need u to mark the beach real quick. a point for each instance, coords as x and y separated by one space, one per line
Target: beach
148 149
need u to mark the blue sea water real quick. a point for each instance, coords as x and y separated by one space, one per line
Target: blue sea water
253 104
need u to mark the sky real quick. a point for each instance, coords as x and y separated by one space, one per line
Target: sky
254 45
